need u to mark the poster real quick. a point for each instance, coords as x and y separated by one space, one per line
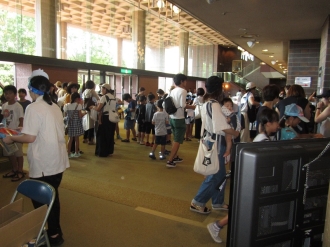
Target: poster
303 81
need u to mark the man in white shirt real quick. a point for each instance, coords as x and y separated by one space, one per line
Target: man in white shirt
177 119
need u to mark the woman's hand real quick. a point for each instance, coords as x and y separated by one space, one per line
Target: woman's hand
7 140
320 105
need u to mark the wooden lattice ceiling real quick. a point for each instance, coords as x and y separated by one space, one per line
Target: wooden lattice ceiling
114 18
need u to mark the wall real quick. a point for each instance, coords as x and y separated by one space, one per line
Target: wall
149 83
303 61
58 74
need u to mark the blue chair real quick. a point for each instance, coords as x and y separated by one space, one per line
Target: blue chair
41 192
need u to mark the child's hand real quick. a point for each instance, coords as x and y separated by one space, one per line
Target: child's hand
226 153
228 119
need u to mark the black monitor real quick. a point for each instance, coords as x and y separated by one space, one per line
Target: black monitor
275 200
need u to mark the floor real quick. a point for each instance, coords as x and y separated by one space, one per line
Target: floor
129 199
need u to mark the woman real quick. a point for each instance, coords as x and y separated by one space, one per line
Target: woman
198 102
44 131
322 114
89 96
106 130
296 95
247 99
218 123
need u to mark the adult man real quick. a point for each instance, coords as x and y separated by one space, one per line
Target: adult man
177 119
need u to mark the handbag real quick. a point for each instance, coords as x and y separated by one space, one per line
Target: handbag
207 160
93 114
113 115
198 113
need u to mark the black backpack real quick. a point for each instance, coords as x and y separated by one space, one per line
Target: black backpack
252 113
169 105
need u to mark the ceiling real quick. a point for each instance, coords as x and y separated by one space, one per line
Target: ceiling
272 24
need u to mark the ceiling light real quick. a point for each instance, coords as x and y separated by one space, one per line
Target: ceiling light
265 50
161 4
273 62
271 56
262 63
175 9
251 43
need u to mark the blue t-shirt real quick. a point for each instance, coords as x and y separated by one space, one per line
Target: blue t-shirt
288 133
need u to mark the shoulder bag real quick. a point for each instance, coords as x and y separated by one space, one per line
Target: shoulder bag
207 161
113 115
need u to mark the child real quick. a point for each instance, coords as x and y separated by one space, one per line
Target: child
293 115
227 110
24 102
160 119
268 124
13 114
75 129
189 119
129 124
150 111
140 118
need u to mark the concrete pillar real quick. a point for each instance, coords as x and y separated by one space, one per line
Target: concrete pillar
139 38
62 39
45 16
162 58
183 51
119 51
323 83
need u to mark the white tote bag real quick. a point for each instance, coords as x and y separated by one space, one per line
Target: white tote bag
207 161
198 113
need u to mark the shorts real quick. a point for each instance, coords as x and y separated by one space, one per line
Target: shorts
168 128
178 129
149 128
142 127
18 153
189 120
160 140
129 124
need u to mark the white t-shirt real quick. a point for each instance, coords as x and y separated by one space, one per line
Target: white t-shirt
218 122
160 119
47 155
110 105
14 112
179 96
72 107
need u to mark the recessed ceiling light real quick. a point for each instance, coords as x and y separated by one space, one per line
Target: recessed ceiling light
279 64
271 56
262 63
265 50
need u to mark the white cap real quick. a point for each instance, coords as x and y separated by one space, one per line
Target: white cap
250 85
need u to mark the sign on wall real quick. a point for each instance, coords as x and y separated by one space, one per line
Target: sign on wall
303 81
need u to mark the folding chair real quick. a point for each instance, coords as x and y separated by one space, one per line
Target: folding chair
41 192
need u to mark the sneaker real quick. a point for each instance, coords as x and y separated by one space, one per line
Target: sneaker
147 144
71 155
125 140
152 155
170 164
134 139
166 152
214 233
162 157
76 155
119 137
177 159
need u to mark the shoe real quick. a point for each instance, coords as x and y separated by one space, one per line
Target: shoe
147 144
134 139
223 207
125 140
177 159
152 155
199 209
56 241
71 155
166 152
18 176
118 137
170 164
151 144
76 155
9 174
214 233
162 157
142 143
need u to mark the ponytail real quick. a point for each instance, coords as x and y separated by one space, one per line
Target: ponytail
46 97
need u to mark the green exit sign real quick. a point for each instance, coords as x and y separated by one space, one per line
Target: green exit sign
126 71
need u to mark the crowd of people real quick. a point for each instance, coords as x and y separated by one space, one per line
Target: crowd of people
276 116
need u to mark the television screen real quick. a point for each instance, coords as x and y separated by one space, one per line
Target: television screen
275 199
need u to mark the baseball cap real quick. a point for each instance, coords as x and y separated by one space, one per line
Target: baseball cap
295 111
106 86
250 85
324 95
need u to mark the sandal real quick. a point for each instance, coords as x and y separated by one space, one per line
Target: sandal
199 209
18 176
9 174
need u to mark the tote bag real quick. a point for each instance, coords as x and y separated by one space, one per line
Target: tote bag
113 115
198 113
207 161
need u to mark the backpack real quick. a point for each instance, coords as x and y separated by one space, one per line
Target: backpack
251 111
169 105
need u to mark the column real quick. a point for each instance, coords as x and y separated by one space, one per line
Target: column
183 51
139 38
323 83
119 51
62 40
45 16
